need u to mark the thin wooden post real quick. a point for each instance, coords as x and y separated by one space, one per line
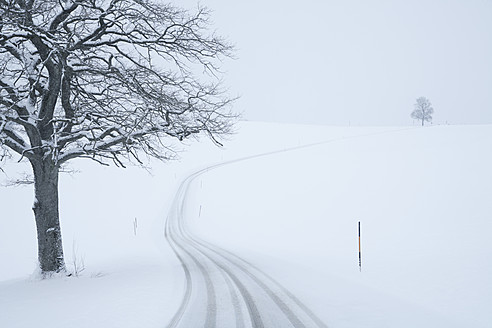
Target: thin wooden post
360 257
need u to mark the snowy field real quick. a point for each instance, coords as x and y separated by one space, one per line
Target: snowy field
422 196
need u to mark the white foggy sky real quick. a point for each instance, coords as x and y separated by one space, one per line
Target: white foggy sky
358 61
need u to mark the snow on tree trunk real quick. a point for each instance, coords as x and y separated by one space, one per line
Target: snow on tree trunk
46 214
105 80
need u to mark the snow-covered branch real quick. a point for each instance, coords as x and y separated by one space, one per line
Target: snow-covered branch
12 140
82 78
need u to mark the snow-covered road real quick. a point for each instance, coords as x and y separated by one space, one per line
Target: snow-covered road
222 289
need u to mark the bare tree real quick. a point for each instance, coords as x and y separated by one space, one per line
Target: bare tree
107 80
422 110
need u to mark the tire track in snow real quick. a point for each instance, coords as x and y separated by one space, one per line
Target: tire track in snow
200 261
243 288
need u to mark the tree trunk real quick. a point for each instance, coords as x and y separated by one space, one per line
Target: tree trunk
46 214
422 122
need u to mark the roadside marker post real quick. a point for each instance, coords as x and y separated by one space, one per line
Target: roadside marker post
360 258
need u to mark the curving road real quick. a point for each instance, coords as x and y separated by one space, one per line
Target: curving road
223 290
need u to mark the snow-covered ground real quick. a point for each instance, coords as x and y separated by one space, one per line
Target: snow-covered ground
422 196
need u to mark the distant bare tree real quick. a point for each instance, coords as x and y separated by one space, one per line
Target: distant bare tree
106 80
422 110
